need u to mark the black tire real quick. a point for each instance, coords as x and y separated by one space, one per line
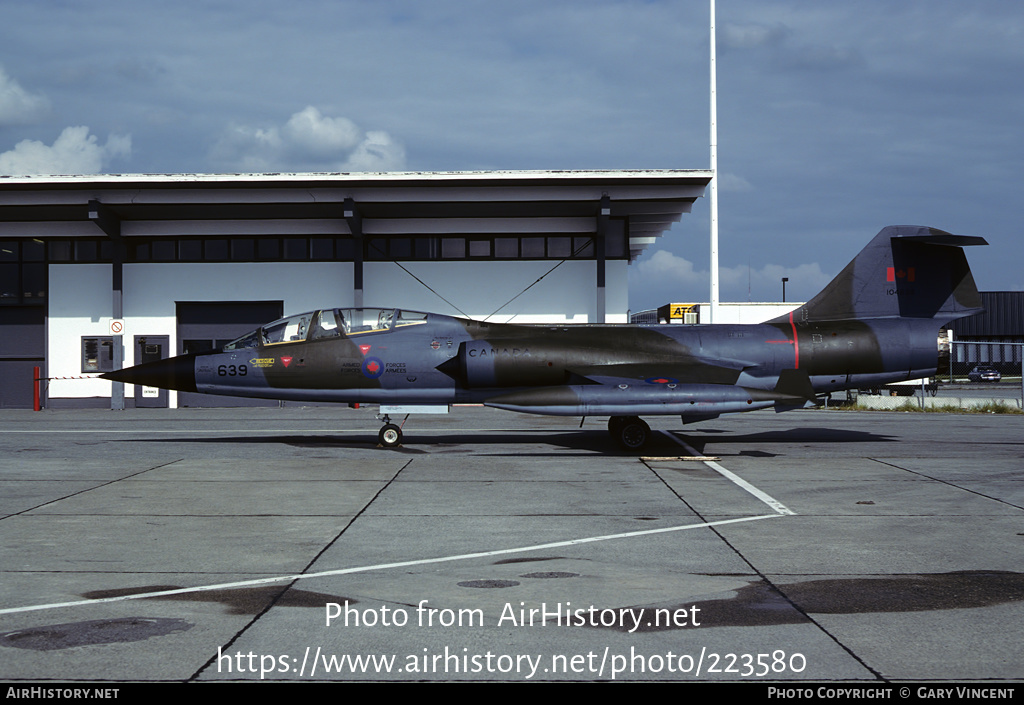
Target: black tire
633 433
390 436
615 423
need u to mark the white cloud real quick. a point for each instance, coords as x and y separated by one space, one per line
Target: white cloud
664 276
18 106
377 152
310 131
665 266
309 141
75 151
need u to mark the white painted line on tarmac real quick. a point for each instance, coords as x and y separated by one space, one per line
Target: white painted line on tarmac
775 504
383 566
192 431
188 431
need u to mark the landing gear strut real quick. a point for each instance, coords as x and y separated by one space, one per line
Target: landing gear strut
630 432
390 435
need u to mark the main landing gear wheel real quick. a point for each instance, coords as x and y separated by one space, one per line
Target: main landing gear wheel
390 436
631 432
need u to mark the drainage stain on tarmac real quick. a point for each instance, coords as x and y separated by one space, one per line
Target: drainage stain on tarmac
238 600
755 605
99 631
763 605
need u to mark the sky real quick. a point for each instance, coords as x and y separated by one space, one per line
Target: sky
835 119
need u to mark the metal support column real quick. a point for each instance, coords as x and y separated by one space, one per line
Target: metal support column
603 215
355 226
110 224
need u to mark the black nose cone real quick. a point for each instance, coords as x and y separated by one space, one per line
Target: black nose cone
173 373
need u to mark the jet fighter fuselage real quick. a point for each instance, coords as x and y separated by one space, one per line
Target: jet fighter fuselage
877 322
445 360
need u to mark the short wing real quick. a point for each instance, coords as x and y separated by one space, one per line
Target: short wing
718 371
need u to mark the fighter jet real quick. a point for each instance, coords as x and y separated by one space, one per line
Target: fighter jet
876 322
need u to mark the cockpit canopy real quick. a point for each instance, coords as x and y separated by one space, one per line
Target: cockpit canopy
327 323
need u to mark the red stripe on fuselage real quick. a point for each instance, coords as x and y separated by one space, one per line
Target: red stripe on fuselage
796 343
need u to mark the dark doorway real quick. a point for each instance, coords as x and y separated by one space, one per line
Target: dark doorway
208 325
22 347
150 348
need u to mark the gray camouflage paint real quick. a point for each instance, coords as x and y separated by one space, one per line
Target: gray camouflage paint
876 322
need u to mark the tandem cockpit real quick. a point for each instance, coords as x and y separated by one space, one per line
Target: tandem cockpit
328 323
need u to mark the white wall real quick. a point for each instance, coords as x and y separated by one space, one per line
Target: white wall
81 304
81 298
750 312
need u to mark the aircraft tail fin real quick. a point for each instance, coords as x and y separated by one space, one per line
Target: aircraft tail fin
906 271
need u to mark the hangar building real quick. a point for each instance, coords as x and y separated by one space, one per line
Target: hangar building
185 262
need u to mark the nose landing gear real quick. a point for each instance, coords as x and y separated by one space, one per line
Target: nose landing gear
390 435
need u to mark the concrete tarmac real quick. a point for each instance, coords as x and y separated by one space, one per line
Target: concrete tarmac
283 545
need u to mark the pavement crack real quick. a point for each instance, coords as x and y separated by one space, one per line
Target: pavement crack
285 588
90 489
947 483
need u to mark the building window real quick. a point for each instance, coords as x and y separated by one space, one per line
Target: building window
321 249
243 250
400 248
426 248
583 247
163 250
480 248
23 277
560 247
345 250
453 248
296 249
85 251
10 283
190 250
33 282
506 247
268 248
60 250
532 247
376 249
33 250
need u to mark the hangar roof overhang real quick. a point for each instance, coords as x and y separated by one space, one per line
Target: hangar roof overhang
409 204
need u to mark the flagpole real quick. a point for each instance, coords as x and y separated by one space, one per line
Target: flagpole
714 176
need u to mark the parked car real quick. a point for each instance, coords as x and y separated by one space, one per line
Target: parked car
984 374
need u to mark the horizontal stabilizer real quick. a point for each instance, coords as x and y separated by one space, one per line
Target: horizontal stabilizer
937 237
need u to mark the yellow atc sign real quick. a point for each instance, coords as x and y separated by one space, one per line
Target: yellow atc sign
679 313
